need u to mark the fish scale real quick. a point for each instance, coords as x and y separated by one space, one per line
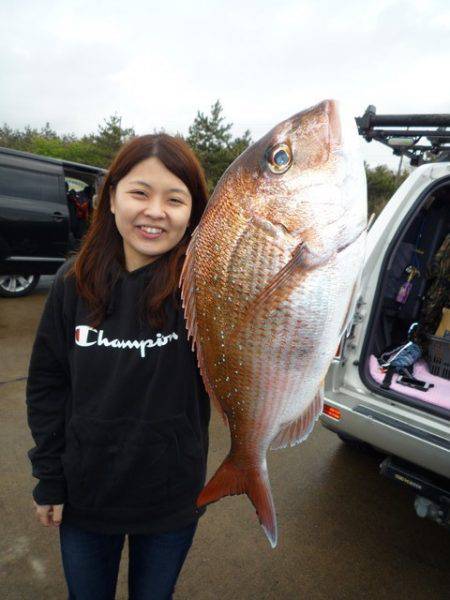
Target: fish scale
267 281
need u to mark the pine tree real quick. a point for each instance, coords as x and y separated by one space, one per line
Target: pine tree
211 139
109 139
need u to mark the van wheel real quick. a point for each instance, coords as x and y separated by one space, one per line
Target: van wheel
13 286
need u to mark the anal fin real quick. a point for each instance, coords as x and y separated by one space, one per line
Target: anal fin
297 431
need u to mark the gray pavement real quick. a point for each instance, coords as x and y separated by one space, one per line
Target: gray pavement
345 533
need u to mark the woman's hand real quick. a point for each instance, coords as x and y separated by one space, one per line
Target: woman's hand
49 514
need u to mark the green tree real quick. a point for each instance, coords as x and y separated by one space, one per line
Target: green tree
210 137
94 149
109 139
382 182
25 139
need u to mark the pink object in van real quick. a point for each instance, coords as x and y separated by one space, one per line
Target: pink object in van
438 395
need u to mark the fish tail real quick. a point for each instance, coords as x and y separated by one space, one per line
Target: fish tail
231 480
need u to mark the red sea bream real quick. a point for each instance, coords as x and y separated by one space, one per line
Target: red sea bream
267 285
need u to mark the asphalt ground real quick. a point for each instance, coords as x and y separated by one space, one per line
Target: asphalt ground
345 532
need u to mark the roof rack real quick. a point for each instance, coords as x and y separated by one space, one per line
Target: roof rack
422 138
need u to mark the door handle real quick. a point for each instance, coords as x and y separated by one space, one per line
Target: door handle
58 217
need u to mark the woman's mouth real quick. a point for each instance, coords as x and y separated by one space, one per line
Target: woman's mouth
150 233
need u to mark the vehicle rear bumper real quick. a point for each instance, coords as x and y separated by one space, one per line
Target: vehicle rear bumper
390 434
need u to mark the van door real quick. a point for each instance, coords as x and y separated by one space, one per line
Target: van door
34 216
344 371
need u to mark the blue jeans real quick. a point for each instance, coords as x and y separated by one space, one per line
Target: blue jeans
91 562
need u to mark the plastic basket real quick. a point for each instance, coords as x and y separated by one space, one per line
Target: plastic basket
439 356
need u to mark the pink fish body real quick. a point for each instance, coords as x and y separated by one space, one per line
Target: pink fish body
267 284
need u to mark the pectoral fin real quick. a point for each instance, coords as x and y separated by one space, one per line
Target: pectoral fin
281 286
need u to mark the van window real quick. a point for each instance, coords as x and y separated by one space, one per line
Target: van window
75 184
21 183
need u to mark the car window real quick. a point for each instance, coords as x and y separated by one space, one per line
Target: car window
21 183
75 184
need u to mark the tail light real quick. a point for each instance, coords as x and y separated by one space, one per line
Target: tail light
332 412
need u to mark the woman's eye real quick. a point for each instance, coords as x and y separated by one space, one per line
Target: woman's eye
176 200
138 192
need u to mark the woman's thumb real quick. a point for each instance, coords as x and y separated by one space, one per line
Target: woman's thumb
57 513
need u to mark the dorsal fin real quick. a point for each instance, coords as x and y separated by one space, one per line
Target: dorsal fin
187 284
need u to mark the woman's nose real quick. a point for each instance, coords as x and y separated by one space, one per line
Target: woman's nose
154 208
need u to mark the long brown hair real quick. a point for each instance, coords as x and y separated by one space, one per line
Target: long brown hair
94 268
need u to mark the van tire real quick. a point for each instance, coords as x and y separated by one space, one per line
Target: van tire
15 286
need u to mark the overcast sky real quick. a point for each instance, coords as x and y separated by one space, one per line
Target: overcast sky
74 63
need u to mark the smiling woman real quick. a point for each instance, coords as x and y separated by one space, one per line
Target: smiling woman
152 207
155 181
116 404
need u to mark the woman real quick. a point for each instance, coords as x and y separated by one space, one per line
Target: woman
116 405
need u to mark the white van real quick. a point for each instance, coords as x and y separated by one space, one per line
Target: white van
410 426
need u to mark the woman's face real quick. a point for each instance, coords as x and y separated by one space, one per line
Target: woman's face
152 207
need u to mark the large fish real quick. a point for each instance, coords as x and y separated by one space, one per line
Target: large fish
269 277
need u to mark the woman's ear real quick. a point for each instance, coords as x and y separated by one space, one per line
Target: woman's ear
112 200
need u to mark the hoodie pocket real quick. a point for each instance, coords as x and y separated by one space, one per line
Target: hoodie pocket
115 463
129 463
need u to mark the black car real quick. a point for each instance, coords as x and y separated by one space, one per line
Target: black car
45 208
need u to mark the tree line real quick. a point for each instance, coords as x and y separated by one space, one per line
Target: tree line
209 136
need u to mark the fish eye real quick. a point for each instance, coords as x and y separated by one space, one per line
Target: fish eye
279 158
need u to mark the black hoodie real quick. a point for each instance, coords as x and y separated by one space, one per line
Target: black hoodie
119 413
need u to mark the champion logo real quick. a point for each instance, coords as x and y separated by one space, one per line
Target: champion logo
88 336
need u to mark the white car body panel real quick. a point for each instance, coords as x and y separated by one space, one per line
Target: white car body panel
390 425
